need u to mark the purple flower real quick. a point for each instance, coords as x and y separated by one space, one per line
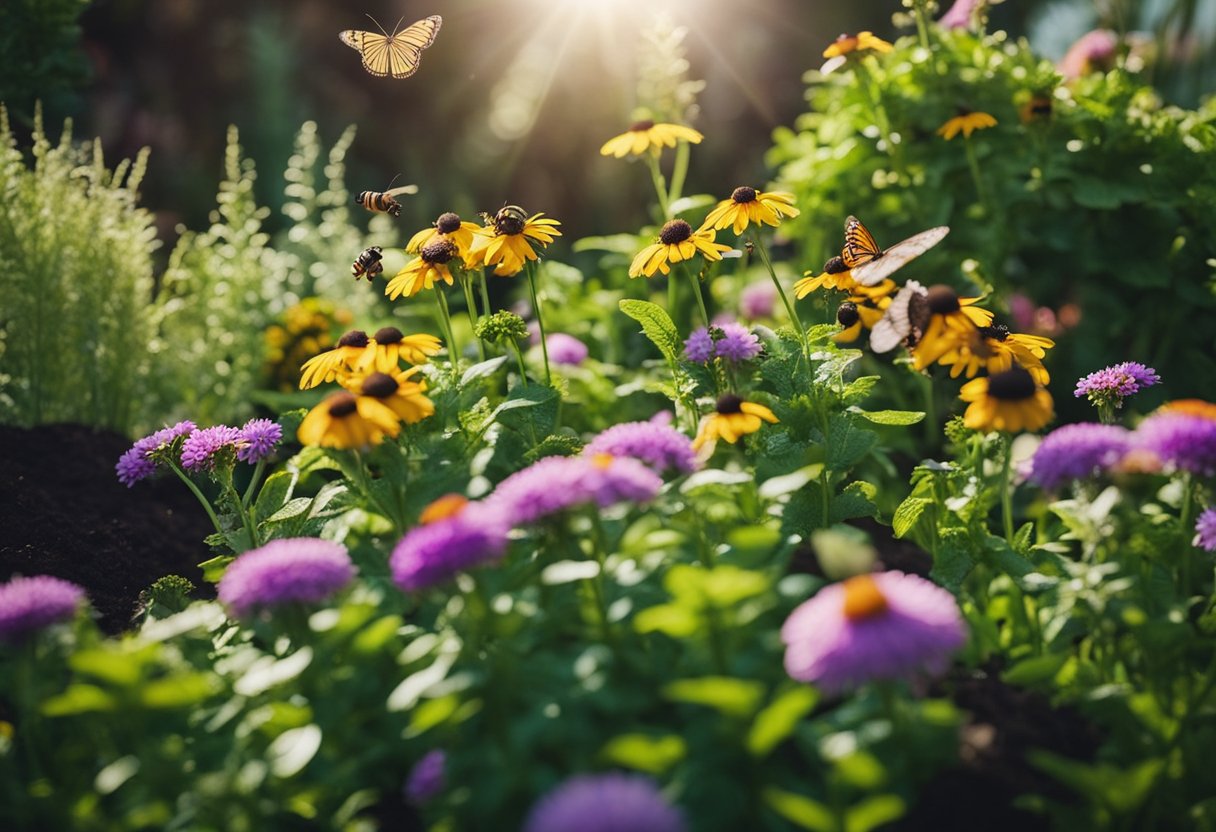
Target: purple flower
1205 531
660 446
257 439
434 552
1075 452
757 300
554 484
138 463
1115 383
1180 441
303 569
960 15
699 347
201 446
29 604
566 349
427 777
1090 50
605 803
738 343
886 625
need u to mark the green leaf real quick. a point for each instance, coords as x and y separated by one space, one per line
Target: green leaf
672 619
268 672
953 560
1121 790
858 389
857 500
294 507
643 752
726 586
657 326
873 812
801 810
733 697
778 720
79 699
213 569
890 417
1035 670
294 749
482 369
907 514
377 635
804 511
178 690
847 443
861 770
431 713
275 493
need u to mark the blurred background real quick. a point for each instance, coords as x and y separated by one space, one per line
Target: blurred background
510 105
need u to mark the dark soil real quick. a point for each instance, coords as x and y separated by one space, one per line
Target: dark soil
64 513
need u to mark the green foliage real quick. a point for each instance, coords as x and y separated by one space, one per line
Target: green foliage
39 40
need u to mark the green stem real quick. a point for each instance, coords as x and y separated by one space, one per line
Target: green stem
530 268
1006 491
600 547
254 481
789 307
930 400
471 308
485 292
215 521
365 485
696 287
679 172
894 150
974 164
519 359
660 185
922 26
673 297
1186 520
445 320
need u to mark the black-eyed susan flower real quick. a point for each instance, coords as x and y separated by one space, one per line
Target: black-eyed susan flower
677 242
347 421
430 266
396 390
449 226
732 418
748 206
835 275
966 122
1038 107
860 42
506 242
390 346
647 135
994 349
952 320
326 366
1008 401
862 310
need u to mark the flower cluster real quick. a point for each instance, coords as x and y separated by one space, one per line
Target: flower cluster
1107 388
197 449
290 570
605 803
729 341
1078 451
140 462
555 484
31 604
659 446
455 536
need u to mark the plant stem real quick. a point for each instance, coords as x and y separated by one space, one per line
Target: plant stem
215 521
679 172
1006 492
485 292
1186 521
519 359
660 185
789 307
445 320
974 164
922 27
696 287
530 268
258 470
471 308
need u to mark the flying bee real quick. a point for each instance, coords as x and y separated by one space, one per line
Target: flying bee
510 219
368 264
382 201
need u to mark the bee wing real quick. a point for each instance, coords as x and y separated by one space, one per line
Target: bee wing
896 323
875 271
404 189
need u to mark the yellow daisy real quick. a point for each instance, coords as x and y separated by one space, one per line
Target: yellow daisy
395 390
747 205
836 275
326 366
732 417
995 349
1008 401
506 242
389 347
952 320
860 42
430 266
449 226
347 421
646 135
677 242
966 122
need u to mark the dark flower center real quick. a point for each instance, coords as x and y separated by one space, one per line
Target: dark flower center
388 335
1015 384
676 231
379 386
847 314
942 300
835 266
438 251
730 403
341 405
997 332
447 223
743 194
354 338
641 126
510 220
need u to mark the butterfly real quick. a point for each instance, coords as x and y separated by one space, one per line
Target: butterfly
397 54
904 321
870 264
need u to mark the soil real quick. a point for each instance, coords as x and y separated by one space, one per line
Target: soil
64 513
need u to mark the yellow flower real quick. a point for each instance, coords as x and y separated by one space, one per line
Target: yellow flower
506 242
449 226
836 275
862 311
346 421
396 391
326 366
423 271
952 321
646 135
389 346
747 205
449 505
1190 407
732 417
1008 401
967 123
995 349
1038 107
845 44
677 242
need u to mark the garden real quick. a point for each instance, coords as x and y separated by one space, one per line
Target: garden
872 489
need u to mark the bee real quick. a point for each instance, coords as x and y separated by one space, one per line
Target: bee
510 219
368 264
382 201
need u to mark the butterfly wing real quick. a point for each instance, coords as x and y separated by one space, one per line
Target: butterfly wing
405 47
404 189
372 47
886 263
896 322
859 244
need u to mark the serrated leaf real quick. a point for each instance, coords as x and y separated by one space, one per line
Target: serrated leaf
953 560
275 493
847 443
858 389
907 514
657 326
890 417
855 501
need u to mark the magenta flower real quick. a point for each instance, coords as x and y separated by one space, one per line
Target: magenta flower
140 461
1076 452
730 341
886 625
1089 52
554 484
427 778
566 349
295 569
257 440
31 604
660 446
605 803
434 552
1115 383
200 448
1205 531
960 15
1181 441
758 300
699 348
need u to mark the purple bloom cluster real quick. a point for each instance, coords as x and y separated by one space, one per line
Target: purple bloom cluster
1180 441
1205 531
757 300
566 349
30 604
303 569
433 553
729 341
605 803
1074 452
138 463
427 777
660 446
201 446
1115 383
257 440
912 630
556 483
959 15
